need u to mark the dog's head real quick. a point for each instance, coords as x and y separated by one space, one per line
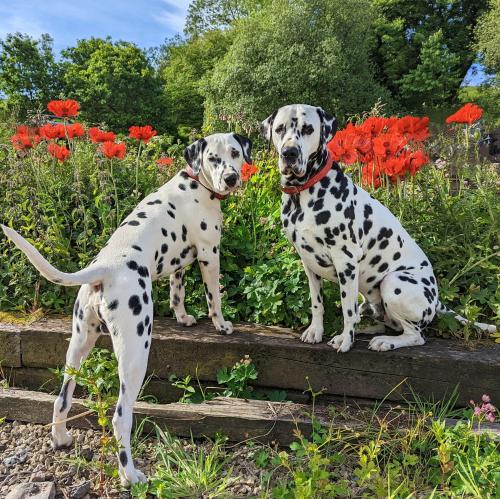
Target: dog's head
299 133
218 159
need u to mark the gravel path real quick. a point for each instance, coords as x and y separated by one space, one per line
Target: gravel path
26 455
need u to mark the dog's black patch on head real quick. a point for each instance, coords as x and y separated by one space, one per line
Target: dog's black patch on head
134 223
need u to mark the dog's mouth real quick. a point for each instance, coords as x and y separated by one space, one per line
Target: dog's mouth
291 170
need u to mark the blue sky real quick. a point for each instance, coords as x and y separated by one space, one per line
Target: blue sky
147 23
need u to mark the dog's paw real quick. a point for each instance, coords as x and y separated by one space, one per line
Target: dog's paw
341 343
129 478
61 440
225 327
313 334
186 320
382 343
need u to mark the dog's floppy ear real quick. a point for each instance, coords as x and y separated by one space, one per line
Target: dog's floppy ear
266 127
328 125
193 155
246 146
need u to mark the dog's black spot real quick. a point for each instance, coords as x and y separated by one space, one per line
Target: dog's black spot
145 298
142 283
80 314
171 213
397 291
376 259
134 304
143 271
76 307
396 256
338 206
146 345
64 395
367 225
383 267
159 268
123 458
146 320
308 248
383 244
113 305
119 410
321 262
123 387
424 263
138 248
156 201
164 232
425 281
371 279
182 187
164 248
77 328
347 252
323 217
149 329
367 211
193 185
140 328
372 242
134 223
407 279
156 255
400 241
142 214
132 265
384 233
214 249
432 279
184 233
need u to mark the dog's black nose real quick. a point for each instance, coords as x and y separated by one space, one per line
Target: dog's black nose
290 154
231 180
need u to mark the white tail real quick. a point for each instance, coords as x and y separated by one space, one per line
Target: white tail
443 309
88 275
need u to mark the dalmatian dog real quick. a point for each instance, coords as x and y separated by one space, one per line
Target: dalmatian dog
344 235
169 229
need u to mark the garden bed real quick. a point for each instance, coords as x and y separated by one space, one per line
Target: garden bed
431 371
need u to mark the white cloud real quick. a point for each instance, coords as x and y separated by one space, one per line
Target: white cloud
173 14
13 23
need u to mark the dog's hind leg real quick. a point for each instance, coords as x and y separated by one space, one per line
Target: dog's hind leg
83 337
130 323
177 293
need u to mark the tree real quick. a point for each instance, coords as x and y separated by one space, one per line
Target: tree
115 83
182 69
409 34
209 15
312 51
29 75
488 46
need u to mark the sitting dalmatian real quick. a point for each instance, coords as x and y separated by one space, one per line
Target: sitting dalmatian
344 235
179 223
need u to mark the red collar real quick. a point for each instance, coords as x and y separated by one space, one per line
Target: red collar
191 174
295 189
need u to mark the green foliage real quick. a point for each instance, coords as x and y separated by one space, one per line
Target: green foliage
183 66
294 51
423 46
488 36
29 75
186 471
114 83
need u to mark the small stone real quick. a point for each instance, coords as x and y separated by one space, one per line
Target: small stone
80 491
87 453
39 490
37 477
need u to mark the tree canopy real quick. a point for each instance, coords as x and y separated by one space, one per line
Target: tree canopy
314 51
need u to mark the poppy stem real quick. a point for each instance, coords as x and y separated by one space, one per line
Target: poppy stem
137 170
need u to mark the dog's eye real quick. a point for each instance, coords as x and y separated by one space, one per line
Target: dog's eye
307 130
280 129
235 154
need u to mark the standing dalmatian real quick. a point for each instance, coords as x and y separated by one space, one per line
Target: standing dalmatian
344 235
169 229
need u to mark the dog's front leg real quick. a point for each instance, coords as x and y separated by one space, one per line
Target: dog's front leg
177 293
347 271
314 333
209 266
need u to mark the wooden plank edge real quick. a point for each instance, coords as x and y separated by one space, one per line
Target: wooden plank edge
237 419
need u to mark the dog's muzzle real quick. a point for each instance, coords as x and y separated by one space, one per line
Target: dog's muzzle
290 156
231 180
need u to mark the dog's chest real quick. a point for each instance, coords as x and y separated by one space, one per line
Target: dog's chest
298 219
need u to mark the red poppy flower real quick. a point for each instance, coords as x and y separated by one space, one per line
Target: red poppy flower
97 135
388 144
165 161
60 152
414 128
466 114
112 150
142 133
75 130
342 147
63 108
51 132
25 138
415 160
247 170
